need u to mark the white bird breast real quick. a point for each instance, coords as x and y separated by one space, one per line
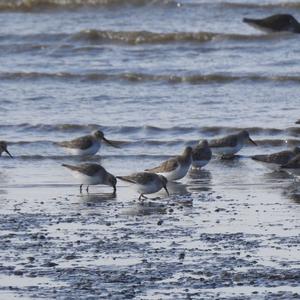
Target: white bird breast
151 187
88 180
89 151
227 150
199 163
176 174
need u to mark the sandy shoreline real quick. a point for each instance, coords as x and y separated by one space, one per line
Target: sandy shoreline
230 241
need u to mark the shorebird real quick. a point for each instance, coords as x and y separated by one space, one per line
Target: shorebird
293 163
146 183
3 148
92 174
86 145
175 168
201 155
275 160
227 146
280 22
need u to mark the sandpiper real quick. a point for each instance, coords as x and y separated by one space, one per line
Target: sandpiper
3 148
92 174
280 22
227 146
146 183
86 145
275 160
201 155
293 163
175 168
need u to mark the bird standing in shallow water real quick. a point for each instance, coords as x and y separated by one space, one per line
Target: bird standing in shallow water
146 183
201 155
293 163
86 145
92 174
227 146
175 168
275 160
3 148
280 22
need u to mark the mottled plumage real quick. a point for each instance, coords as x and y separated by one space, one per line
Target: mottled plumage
280 22
86 145
201 154
81 143
3 148
230 144
92 174
175 168
146 183
278 158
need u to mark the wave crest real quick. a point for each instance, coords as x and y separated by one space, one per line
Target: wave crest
144 77
32 5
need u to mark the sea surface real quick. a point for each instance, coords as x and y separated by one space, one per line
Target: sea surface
155 76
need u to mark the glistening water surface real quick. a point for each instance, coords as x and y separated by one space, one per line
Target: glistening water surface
156 76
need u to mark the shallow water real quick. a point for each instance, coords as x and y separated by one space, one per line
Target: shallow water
155 76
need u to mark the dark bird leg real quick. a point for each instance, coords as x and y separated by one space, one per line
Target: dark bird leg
87 188
80 188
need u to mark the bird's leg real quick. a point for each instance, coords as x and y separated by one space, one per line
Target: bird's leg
140 197
87 189
80 188
144 196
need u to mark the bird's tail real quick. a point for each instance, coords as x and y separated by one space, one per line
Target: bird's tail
74 168
124 178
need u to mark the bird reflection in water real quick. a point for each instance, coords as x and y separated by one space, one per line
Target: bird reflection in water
199 180
97 197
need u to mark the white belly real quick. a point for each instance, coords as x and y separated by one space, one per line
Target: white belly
148 188
88 151
88 180
177 174
227 150
199 163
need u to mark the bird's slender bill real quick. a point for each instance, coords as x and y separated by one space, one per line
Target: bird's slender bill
8 153
110 143
252 142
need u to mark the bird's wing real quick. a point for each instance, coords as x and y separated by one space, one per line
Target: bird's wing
201 153
280 158
79 143
167 166
228 141
86 169
138 178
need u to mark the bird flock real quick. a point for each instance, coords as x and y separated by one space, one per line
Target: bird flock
154 179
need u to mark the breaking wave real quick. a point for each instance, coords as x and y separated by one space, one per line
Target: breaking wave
36 5
144 78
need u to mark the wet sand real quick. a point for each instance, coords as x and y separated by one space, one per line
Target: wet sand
175 73
211 241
